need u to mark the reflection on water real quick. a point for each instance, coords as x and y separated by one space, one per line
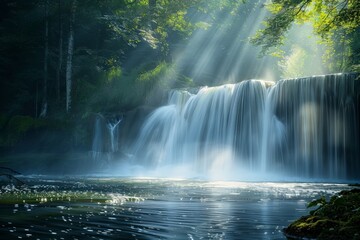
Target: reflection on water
124 208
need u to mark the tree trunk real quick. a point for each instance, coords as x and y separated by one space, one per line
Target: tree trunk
60 56
37 98
46 56
69 58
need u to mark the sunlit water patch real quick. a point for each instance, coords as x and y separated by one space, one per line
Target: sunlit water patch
150 208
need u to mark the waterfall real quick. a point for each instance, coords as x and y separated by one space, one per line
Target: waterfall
311 128
213 129
112 127
305 127
105 137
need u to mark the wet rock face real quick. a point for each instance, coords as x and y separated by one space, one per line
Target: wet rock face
131 124
337 219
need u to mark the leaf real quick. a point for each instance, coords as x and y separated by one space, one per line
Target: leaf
320 201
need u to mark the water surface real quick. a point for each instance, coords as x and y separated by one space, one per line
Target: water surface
149 208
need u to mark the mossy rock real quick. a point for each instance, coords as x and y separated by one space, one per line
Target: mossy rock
310 227
337 219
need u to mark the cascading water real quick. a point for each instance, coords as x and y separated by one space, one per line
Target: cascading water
214 130
112 126
105 137
319 126
304 127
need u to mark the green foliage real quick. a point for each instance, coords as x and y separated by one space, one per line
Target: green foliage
137 21
18 126
336 22
318 202
339 205
292 66
162 70
337 219
284 14
114 73
108 35
145 84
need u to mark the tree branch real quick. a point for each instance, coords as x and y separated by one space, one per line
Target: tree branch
334 8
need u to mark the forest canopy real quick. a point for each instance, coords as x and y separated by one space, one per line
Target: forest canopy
336 22
72 57
80 53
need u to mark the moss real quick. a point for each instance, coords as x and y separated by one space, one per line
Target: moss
337 219
311 226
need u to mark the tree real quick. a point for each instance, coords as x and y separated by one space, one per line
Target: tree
70 57
46 56
336 21
21 55
108 34
60 52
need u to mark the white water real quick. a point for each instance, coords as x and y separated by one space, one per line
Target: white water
112 127
152 208
105 139
299 127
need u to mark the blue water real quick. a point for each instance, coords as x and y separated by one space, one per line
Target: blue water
150 208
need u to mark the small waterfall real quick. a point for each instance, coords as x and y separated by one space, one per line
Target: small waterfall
112 127
305 127
105 138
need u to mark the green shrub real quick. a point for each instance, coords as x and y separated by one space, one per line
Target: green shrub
18 126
